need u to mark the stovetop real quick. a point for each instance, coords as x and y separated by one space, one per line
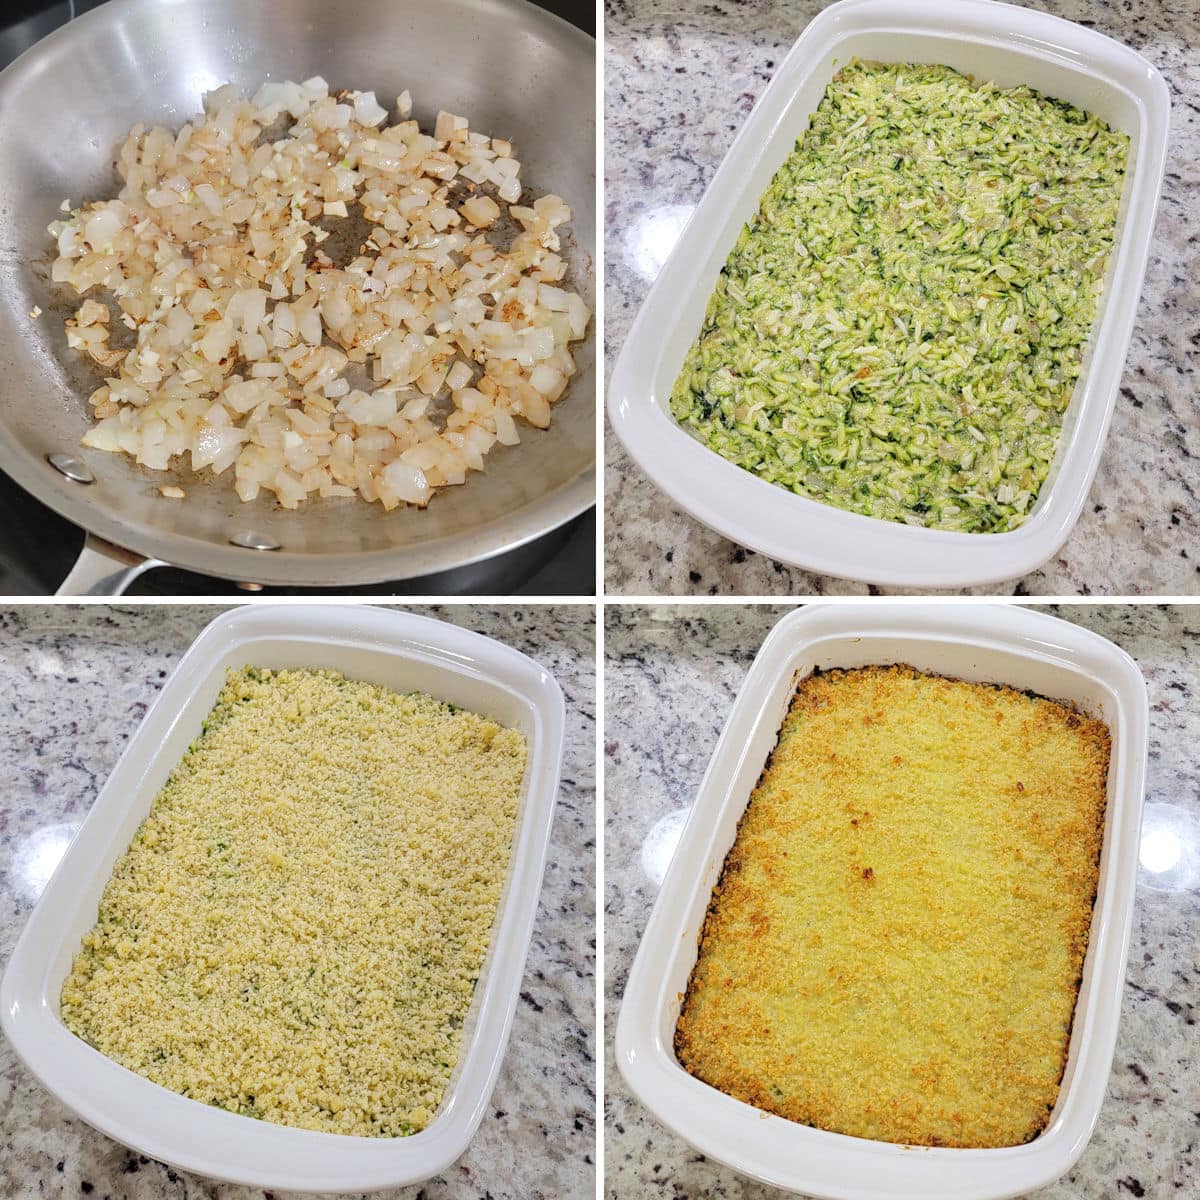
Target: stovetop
38 547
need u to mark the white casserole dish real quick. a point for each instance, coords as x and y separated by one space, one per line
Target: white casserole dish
396 649
998 42
995 644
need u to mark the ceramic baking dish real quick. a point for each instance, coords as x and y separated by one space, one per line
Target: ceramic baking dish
1000 644
998 42
398 650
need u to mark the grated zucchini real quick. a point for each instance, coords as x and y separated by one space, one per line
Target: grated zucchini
899 329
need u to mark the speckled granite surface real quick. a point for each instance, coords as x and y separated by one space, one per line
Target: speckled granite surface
681 76
670 678
74 683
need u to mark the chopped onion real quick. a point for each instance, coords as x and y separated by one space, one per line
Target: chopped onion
246 332
367 111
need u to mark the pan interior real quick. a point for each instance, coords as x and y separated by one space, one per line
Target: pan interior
65 107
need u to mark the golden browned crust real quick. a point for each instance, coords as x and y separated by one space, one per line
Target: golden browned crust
894 946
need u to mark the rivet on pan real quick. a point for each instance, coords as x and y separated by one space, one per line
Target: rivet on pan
254 541
250 587
73 468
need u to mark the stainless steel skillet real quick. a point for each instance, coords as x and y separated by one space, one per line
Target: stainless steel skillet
513 69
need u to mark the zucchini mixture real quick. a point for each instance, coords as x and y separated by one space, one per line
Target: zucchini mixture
899 329
296 931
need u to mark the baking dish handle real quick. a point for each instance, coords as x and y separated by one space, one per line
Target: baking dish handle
103 569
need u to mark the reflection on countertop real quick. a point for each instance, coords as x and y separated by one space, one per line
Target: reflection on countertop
671 675
74 684
680 80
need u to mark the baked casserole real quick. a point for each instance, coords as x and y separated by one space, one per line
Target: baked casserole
895 943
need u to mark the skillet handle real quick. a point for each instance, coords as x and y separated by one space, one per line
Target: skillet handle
103 569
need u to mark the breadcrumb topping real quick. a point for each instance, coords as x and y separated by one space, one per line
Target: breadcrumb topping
296 930
894 947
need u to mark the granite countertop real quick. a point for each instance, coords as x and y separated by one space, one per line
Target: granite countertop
74 684
681 77
670 678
